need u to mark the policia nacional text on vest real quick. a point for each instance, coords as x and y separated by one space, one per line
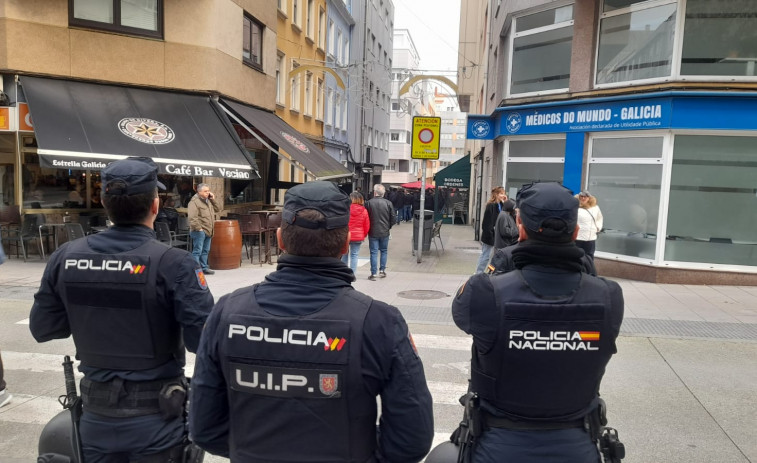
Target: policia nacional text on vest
570 339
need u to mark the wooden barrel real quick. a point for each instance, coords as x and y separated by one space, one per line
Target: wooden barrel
226 245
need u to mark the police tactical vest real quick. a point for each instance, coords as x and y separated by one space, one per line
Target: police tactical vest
297 376
550 353
116 319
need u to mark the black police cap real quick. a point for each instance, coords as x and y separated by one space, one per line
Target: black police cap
324 197
130 176
538 202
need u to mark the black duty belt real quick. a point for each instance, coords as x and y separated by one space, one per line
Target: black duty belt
506 423
123 398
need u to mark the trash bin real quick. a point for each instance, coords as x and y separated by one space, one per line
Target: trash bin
428 225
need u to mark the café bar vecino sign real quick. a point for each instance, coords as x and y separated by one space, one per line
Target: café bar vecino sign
150 132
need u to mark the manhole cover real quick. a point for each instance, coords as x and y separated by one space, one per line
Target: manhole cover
422 294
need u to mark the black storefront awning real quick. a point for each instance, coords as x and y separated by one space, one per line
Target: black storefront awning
85 126
316 162
455 175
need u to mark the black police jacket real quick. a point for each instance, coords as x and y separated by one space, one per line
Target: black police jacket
539 358
298 361
130 302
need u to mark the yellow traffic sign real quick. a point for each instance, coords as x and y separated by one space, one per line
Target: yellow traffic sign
425 144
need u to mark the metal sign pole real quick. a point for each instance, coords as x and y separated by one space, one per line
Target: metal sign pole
424 146
419 252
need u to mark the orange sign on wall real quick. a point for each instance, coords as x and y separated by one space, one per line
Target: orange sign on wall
24 118
5 120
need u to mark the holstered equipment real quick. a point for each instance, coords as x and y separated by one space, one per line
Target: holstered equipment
120 398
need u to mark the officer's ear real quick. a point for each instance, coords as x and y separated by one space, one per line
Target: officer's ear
279 240
575 233
155 206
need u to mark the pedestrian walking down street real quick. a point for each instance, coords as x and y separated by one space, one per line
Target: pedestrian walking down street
494 206
398 199
543 335
289 370
131 304
407 206
202 212
359 226
590 222
381 213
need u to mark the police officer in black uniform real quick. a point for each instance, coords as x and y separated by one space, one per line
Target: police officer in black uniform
289 369
542 337
131 304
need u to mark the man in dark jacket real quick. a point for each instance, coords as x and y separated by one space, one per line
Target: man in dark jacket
381 212
505 230
289 370
542 338
131 304
397 199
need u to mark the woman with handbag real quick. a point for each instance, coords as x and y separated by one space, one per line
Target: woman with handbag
590 222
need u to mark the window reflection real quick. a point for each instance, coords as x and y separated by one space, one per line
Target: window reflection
541 60
52 188
628 192
712 215
720 38
636 45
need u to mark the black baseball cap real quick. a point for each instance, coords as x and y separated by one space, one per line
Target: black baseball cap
540 201
130 176
324 197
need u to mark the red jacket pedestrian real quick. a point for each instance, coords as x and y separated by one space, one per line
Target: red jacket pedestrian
360 222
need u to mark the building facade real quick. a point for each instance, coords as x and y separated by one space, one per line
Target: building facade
647 104
336 125
401 168
370 92
472 97
84 83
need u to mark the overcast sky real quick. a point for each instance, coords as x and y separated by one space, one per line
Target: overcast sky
434 26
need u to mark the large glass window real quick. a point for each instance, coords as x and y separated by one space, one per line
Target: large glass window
252 42
134 17
712 214
541 50
280 60
532 160
628 193
720 38
635 41
53 188
294 97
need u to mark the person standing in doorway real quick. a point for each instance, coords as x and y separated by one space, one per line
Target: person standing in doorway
381 212
202 215
494 206
590 222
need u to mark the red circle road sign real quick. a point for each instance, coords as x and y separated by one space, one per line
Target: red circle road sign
426 136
